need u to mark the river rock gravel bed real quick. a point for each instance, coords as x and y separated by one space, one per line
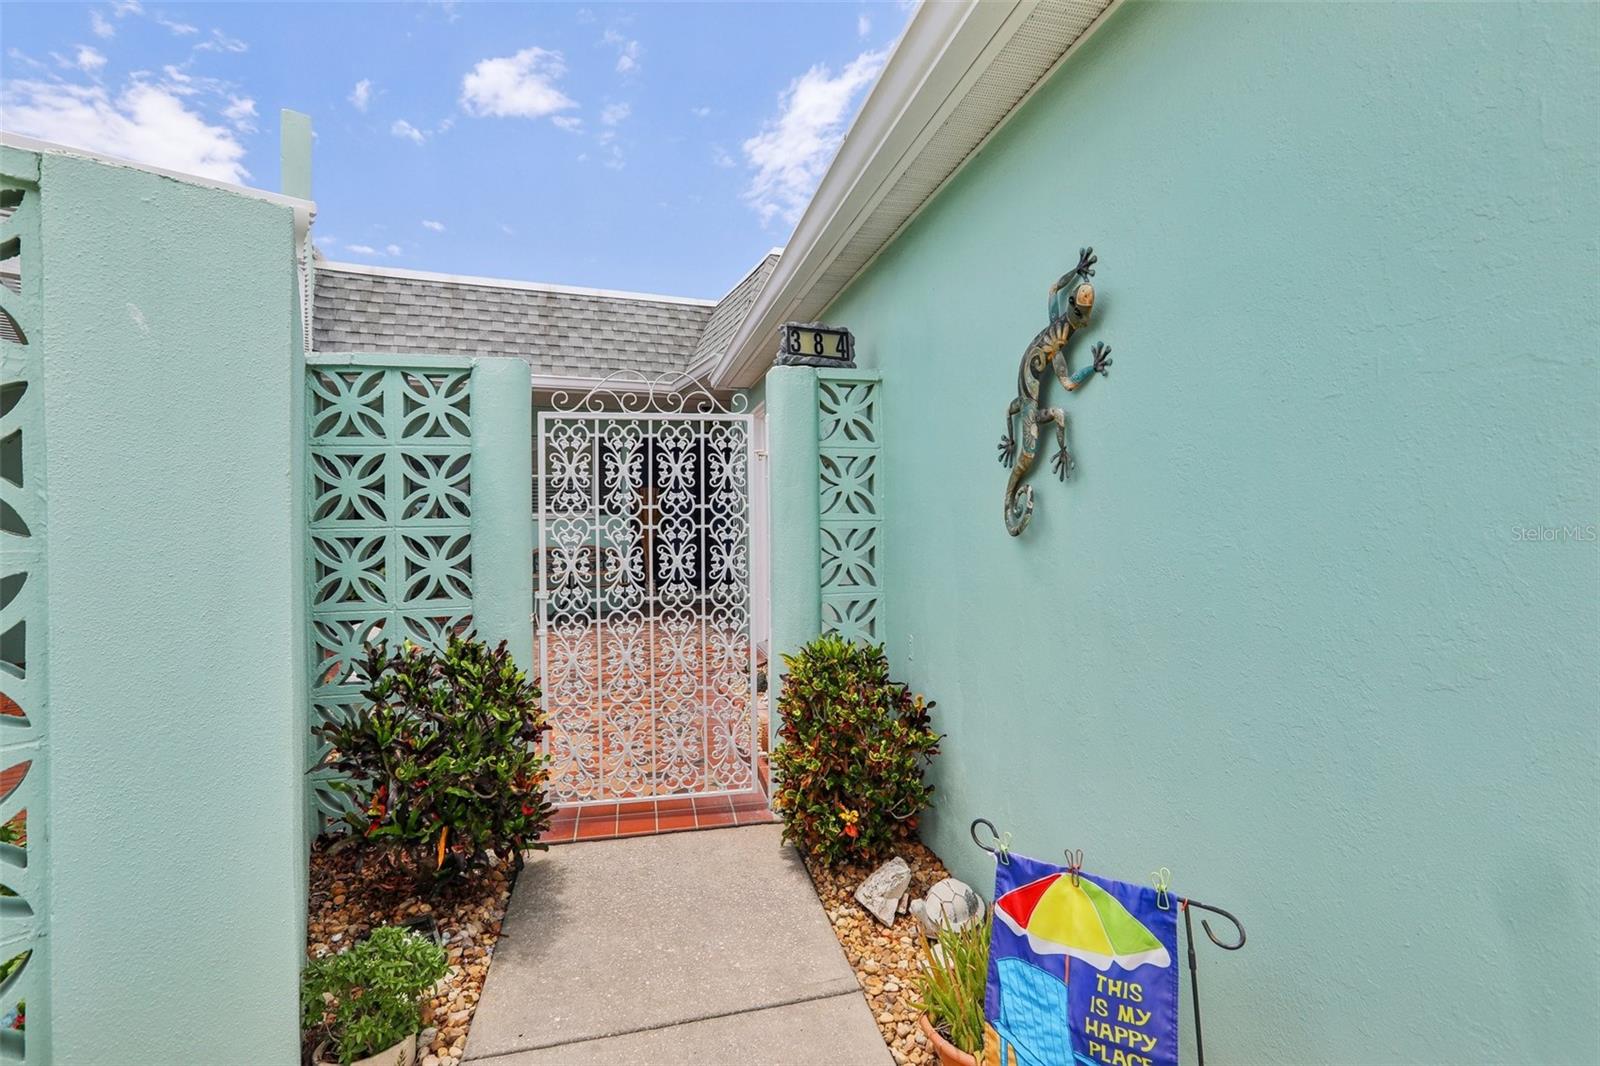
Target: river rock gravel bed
347 902
884 957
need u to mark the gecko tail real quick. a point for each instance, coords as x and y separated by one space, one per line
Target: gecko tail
1019 508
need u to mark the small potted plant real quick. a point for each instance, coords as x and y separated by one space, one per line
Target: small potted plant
366 1001
949 986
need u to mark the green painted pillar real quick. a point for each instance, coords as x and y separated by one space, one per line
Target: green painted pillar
294 148
173 817
795 534
502 505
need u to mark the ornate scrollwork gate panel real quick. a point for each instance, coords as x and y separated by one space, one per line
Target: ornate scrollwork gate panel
644 613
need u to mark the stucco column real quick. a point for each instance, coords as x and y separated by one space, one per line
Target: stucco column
294 153
795 547
173 821
502 505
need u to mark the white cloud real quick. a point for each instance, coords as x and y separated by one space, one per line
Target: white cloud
22 57
361 249
570 123
221 42
863 25
126 7
720 156
437 227
627 51
392 249
793 149
101 27
507 230
612 114
88 60
700 112
240 110
145 123
516 86
402 128
182 29
361 95
610 151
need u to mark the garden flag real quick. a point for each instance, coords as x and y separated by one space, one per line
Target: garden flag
1082 970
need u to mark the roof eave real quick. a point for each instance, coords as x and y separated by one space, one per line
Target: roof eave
877 138
945 49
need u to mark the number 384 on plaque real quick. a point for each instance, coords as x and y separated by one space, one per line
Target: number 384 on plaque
809 344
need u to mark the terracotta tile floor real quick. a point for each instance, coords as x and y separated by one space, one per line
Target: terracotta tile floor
632 818
642 817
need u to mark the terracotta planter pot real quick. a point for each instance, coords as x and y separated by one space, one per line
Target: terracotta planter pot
402 1054
948 1054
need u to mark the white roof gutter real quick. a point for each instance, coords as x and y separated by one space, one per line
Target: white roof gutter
946 48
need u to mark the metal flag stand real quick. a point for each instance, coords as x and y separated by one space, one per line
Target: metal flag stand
1001 850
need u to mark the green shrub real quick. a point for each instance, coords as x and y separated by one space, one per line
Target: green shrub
851 752
950 983
368 998
444 764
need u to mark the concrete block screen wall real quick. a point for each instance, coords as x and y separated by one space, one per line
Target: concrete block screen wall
1302 626
24 625
165 854
419 488
828 502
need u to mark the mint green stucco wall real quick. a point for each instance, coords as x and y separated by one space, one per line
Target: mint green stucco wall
1280 632
502 499
177 662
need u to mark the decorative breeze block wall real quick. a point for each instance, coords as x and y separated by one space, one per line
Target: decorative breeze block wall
24 913
849 460
390 516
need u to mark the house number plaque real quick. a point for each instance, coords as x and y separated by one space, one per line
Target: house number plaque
813 344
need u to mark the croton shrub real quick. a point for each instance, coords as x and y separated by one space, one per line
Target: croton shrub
848 768
443 765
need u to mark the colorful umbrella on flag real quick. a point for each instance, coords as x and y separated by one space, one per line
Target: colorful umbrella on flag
1080 920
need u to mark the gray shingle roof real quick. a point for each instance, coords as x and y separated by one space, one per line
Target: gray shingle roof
567 332
732 308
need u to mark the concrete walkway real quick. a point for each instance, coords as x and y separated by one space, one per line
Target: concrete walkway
703 948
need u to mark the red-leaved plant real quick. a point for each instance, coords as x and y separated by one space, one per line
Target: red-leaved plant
851 752
444 764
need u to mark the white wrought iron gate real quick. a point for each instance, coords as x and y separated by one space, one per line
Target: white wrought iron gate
644 596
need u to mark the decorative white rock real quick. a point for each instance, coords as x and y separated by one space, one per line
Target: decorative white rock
950 903
880 893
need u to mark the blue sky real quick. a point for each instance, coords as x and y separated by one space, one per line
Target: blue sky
655 147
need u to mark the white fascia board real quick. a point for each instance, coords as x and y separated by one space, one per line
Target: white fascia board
972 49
304 210
937 51
508 283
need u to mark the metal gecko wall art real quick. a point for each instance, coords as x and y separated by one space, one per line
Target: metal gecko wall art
1048 351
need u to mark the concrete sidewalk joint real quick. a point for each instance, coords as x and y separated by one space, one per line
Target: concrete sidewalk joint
692 947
